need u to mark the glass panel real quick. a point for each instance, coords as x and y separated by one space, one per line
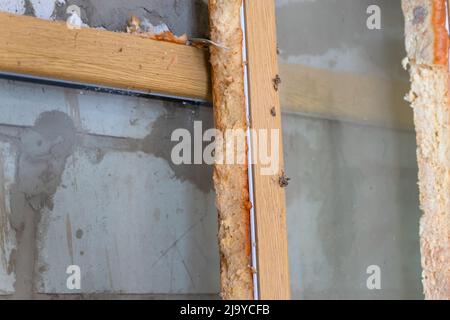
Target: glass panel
352 204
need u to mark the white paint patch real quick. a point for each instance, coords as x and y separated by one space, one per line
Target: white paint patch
13 6
7 175
44 8
74 20
9 155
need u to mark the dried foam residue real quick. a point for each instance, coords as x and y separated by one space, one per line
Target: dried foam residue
160 32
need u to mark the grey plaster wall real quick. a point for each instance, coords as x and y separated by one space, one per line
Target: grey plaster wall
181 16
101 192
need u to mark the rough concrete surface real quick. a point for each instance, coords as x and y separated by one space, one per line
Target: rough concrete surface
115 206
181 16
8 155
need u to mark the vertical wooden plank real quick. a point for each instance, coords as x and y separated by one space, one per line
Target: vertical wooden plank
265 113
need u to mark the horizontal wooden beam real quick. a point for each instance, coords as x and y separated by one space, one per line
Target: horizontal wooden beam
49 49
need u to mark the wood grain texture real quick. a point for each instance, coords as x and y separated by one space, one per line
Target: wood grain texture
269 196
49 49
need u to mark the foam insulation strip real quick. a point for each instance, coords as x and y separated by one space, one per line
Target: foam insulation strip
427 57
250 161
231 181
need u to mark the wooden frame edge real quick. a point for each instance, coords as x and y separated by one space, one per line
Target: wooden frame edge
265 113
50 49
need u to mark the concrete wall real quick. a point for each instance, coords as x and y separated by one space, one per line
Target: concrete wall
86 178
101 192
187 16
